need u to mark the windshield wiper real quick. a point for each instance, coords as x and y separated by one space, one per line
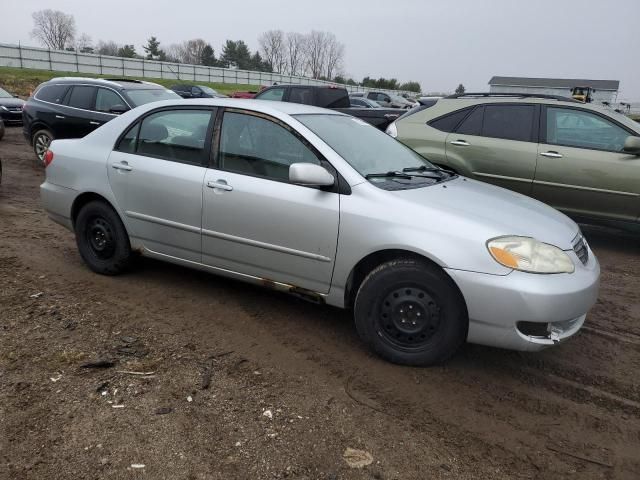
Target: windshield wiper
422 168
388 174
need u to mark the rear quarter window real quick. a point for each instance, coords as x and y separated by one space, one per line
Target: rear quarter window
52 93
448 122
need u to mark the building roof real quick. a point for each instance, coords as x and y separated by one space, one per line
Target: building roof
555 82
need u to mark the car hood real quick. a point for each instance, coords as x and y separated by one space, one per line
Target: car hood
11 102
493 211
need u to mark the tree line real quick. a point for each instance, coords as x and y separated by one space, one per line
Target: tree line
316 54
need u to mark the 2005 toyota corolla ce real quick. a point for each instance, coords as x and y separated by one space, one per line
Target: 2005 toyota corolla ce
326 207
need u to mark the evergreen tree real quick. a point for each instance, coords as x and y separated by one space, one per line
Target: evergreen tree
153 50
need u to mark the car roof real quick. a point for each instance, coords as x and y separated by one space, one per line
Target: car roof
263 106
120 83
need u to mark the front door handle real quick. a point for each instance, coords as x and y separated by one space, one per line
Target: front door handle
551 154
220 185
122 166
60 116
94 123
460 143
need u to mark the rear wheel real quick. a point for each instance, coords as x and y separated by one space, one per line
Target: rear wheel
410 312
41 141
102 239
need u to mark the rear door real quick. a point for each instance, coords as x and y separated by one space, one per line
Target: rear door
156 174
582 169
257 223
497 143
78 116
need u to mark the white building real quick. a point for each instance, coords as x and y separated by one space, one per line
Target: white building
604 90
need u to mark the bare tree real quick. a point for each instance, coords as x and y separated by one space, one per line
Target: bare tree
84 44
272 46
53 28
107 48
334 54
315 53
295 48
193 50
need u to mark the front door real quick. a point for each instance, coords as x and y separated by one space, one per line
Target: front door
157 173
257 223
582 169
498 144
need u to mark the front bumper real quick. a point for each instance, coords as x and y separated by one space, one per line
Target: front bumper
504 308
11 117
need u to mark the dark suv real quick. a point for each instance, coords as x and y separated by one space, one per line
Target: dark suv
72 107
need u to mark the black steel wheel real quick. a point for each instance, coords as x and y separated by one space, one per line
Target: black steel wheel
102 239
410 311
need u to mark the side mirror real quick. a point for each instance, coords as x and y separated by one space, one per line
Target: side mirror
118 109
310 175
632 145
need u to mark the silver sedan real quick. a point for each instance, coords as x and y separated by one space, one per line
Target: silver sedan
328 208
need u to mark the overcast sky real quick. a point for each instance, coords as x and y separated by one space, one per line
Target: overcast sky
436 42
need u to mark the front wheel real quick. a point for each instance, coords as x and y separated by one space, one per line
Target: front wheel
102 239
410 312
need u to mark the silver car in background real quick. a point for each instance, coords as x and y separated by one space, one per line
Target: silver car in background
326 207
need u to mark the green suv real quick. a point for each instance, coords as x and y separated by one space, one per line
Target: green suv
581 159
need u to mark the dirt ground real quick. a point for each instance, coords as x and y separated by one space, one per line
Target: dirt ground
241 382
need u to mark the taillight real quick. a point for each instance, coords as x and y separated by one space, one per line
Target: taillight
48 158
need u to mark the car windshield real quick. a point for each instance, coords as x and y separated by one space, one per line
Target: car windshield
141 96
5 94
208 91
366 148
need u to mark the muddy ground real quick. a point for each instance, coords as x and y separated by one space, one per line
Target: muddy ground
218 355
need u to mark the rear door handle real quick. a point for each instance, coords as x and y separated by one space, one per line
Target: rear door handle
60 116
220 184
551 154
94 123
122 166
460 143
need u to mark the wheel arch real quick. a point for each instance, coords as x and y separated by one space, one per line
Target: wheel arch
371 261
83 199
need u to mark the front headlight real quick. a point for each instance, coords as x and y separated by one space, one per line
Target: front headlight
4 108
392 130
529 255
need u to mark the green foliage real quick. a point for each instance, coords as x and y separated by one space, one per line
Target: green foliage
208 56
460 90
127 51
236 52
152 48
411 87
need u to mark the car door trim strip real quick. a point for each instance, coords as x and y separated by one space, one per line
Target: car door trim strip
225 236
502 177
590 189
268 246
162 221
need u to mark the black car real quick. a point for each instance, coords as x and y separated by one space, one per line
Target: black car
72 107
186 90
10 108
332 97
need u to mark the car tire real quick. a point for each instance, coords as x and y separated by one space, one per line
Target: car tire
102 239
1 129
41 141
411 312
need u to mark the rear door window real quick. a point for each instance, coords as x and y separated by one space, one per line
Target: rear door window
510 122
449 122
301 95
82 96
177 135
52 93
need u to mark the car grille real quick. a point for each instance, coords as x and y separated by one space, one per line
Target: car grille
581 249
15 109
